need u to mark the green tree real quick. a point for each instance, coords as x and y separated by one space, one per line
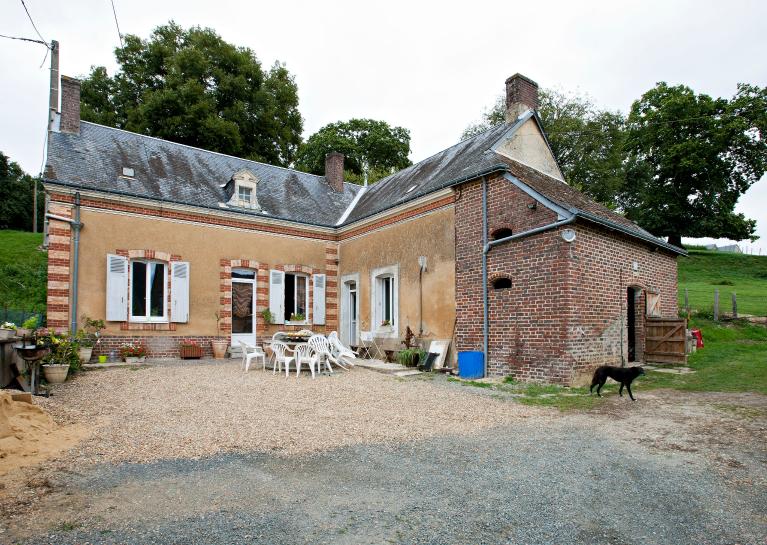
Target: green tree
371 149
587 142
192 87
690 157
16 197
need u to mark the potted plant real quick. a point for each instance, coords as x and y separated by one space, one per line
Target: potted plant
62 356
89 337
297 317
219 346
7 330
189 349
266 315
28 327
133 352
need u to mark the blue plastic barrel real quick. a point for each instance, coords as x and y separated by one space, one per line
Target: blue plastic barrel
470 364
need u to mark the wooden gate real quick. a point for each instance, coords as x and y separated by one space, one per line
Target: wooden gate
665 340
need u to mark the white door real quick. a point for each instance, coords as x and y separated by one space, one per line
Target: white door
350 310
243 306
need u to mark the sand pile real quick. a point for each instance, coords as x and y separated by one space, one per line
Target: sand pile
29 435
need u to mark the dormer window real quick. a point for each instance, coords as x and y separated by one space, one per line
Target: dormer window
241 190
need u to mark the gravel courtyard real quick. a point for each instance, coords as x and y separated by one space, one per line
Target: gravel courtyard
201 453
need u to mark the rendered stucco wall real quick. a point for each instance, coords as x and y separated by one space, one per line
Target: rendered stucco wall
202 246
431 235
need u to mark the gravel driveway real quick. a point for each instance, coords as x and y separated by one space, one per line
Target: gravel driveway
670 468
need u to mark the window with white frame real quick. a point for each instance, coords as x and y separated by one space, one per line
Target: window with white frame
296 297
149 291
245 196
385 300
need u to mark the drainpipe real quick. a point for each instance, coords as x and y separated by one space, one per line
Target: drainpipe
76 225
485 310
486 246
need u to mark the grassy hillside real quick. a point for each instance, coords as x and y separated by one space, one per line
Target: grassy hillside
23 271
704 271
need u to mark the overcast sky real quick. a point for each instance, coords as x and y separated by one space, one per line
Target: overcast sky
431 68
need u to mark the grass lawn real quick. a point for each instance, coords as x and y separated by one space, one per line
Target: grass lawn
23 271
734 359
704 271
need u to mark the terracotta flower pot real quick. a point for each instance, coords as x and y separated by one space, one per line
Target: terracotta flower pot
219 349
55 373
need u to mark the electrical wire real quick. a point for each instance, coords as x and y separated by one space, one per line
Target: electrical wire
26 40
119 34
33 23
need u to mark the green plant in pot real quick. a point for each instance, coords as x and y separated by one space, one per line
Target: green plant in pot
410 357
28 327
89 337
297 317
62 357
266 316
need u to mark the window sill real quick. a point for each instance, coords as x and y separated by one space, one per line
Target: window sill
148 326
304 322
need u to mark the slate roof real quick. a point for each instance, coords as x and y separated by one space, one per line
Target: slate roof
177 173
181 174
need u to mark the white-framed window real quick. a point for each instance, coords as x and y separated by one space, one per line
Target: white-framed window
149 291
296 297
245 196
385 300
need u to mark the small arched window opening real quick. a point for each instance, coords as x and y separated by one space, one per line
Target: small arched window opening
503 232
502 283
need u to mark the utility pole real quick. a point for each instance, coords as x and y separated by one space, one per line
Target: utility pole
53 107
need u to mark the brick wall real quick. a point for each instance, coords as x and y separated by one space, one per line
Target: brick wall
157 347
562 314
59 251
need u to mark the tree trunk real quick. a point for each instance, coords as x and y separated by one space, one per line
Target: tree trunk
676 240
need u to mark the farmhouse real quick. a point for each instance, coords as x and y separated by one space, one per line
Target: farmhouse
483 243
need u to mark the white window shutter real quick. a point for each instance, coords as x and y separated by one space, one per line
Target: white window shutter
318 304
277 296
179 291
117 288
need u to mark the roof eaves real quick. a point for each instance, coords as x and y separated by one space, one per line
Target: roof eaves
561 211
636 234
248 213
351 206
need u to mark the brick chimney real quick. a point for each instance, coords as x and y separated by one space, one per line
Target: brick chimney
70 104
521 95
334 170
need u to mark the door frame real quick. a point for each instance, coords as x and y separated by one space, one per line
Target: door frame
249 338
345 324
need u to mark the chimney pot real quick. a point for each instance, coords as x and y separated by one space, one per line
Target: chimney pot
334 170
70 104
521 95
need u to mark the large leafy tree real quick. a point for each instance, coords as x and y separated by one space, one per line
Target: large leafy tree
192 87
690 157
17 197
372 149
586 141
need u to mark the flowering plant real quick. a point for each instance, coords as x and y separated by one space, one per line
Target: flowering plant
48 337
133 350
9 325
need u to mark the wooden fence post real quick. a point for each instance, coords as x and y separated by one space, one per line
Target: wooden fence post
687 303
716 305
734 305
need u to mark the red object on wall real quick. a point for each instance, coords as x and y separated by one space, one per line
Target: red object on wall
698 336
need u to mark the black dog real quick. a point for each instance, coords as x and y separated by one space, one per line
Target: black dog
624 375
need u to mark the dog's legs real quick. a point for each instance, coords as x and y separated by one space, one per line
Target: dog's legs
628 387
599 389
620 391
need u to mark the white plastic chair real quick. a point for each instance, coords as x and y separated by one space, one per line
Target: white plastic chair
321 347
304 353
250 353
368 341
280 358
340 350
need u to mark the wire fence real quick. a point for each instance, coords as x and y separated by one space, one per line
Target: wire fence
19 316
722 304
